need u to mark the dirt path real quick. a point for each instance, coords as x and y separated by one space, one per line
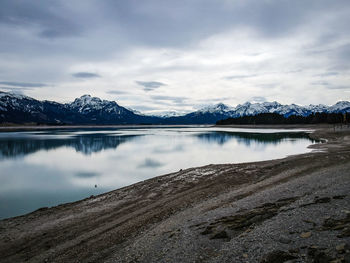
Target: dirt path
294 208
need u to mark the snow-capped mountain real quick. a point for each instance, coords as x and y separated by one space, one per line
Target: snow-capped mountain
97 108
92 110
16 108
269 107
87 104
13 101
249 108
341 106
83 110
217 108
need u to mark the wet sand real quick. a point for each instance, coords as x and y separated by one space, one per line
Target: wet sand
296 208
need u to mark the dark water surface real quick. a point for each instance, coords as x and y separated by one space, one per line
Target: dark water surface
49 167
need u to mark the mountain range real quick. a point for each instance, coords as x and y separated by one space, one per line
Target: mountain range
22 109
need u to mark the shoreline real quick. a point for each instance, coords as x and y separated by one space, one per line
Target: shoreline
247 126
198 212
52 127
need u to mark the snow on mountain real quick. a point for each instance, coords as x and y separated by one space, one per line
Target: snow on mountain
269 107
220 108
135 111
11 101
317 108
87 104
167 114
340 106
249 108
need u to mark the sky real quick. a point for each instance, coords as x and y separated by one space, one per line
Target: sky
164 55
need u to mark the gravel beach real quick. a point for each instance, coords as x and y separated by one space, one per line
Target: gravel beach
295 209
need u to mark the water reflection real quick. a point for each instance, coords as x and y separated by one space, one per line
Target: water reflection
221 137
46 168
95 142
86 144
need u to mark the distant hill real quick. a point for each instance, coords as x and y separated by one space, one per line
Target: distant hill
20 109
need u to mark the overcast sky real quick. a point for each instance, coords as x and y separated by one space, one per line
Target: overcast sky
159 55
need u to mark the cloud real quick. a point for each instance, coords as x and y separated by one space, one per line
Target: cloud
45 18
320 83
14 90
258 99
150 163
339 87
169 98
327 74
240 76
206 49
86 174
150 85
23 84
116 92
142 108
86 75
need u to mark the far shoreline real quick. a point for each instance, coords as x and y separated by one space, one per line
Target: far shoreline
14 127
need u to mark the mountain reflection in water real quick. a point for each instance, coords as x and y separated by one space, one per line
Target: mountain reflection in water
221 138
96 142
86 144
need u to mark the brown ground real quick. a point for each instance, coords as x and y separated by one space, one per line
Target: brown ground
296 208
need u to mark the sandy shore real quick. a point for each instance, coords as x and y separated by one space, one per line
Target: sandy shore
296 208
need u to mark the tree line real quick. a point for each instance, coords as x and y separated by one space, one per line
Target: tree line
274 118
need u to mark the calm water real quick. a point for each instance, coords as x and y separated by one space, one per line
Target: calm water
46 168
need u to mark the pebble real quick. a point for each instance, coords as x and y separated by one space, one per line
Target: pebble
284 240
305 234
340 247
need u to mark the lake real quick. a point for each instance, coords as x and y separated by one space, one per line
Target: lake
49 167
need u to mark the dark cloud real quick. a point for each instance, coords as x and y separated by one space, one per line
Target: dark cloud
161 23
50 19
172 23
116 92
211 100
327 74
150 163
169 98
86 174
342 56
23 84
86 75
320 83
293 71
240 76
150 85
